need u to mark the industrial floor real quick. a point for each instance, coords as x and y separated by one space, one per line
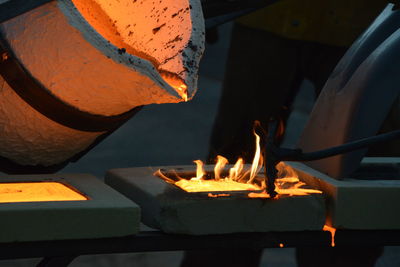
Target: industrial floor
178 134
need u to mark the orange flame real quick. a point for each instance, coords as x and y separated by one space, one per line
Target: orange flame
236 170
219 166
332 231
238 179
257 161
199 170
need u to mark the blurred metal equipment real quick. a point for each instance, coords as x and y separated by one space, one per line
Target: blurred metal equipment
216 12
357 96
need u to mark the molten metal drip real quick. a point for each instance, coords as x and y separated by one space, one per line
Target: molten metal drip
182 91
176 83
238 179
332 231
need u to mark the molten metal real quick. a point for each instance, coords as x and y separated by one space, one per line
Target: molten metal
332 231
237 179
37 192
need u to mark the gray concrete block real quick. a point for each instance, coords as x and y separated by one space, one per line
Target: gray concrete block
167 207
356 204
105 213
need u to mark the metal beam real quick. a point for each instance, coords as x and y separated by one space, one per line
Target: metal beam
157 241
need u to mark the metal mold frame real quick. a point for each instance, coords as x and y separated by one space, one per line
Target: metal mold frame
173 210
105 213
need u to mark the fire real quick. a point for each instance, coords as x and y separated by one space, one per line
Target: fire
239 179
200 172
332 231
199 184
257 161
219 166
182 91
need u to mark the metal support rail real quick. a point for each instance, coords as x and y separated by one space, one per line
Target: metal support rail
61 253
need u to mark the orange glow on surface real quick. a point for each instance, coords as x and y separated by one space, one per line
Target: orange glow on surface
218 195
332 231
239 179
175 82
281 245
214 185
37 192
109 21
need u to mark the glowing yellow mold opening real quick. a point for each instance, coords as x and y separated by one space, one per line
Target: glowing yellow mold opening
37 192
